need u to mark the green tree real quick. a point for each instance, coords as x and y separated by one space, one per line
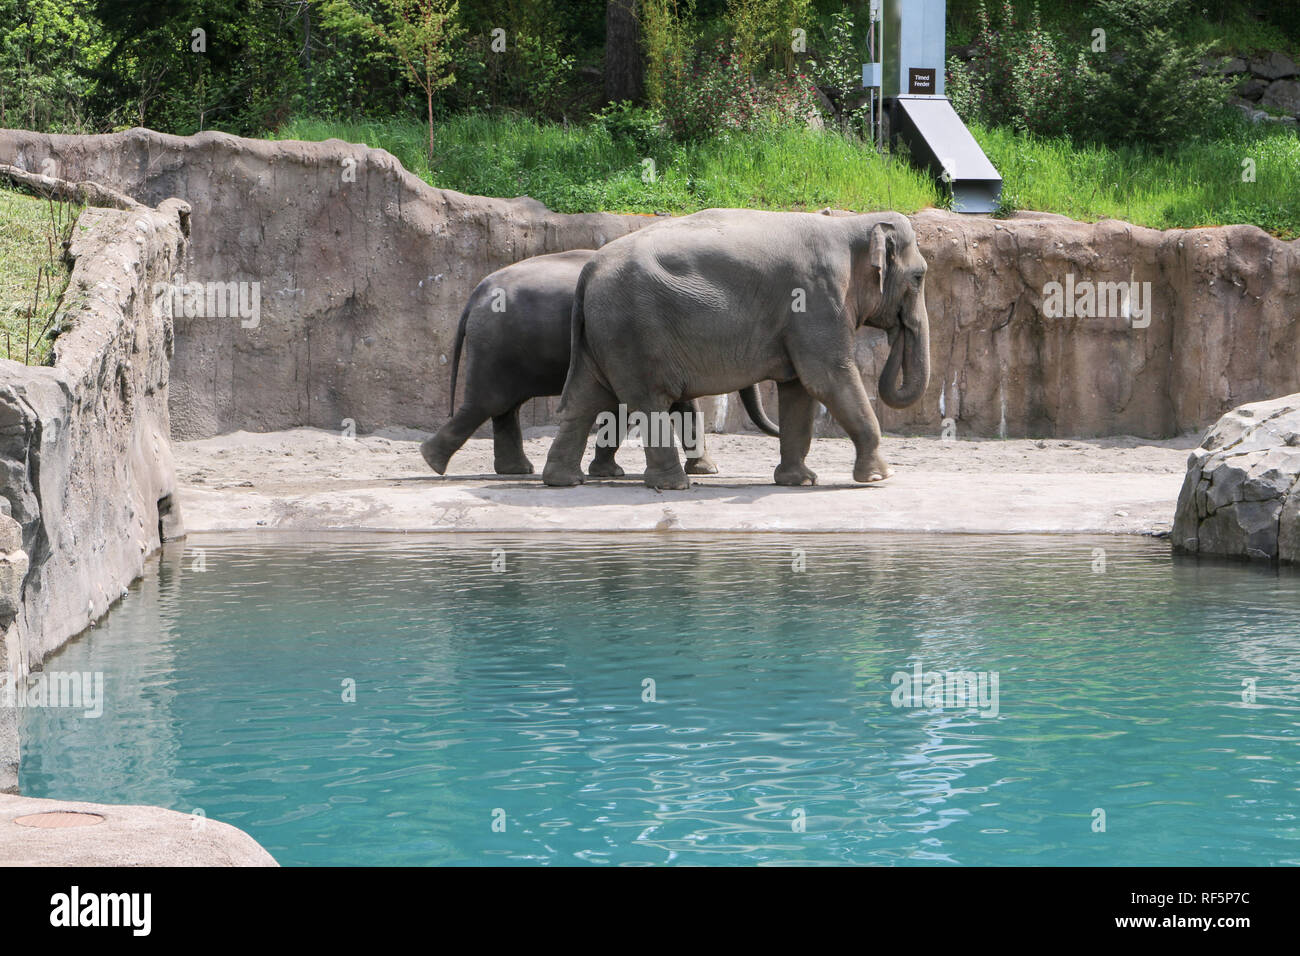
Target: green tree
46 49
416 33
1148 86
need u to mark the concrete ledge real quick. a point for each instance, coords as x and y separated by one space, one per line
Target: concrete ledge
310 480
127 836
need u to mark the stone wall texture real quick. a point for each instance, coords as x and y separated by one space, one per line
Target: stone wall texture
363 270
86 477
1241 496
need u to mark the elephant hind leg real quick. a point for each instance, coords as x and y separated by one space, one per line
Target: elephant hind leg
603 464
437 451
584 399
663 466
796 407
698 461
508 445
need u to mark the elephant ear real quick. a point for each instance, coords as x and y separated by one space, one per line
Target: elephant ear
877 252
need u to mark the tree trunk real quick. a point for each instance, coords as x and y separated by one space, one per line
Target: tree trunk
624 71
428 90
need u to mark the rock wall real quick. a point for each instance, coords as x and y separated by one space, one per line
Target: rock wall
362 269
86 477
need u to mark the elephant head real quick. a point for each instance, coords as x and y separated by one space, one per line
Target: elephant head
889 278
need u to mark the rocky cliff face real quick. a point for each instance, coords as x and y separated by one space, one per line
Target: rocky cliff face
361 271
86 478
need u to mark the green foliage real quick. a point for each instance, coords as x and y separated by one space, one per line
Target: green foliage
46 48
526 66
667 39
763 29
417 34
641 126
719 94
1147 89
837 71
1016 77
1145 86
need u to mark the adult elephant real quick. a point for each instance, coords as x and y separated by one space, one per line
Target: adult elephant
516 325
728 297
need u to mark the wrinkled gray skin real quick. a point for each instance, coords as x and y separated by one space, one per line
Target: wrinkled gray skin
519 350
714 297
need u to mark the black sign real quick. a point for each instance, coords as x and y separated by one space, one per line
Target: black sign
920 81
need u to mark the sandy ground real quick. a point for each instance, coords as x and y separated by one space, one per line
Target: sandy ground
312 480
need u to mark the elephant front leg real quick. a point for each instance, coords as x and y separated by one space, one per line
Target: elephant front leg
508 445
846 399
584 399
698 461
796 407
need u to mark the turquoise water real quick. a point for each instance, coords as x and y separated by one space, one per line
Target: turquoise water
502 681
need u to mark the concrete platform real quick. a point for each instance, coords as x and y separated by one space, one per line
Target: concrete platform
311 480
121 836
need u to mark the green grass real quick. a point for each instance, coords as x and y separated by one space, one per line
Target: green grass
32 232
581 169
1200 184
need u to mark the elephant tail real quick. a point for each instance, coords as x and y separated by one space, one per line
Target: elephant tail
577 329
455 352
754 406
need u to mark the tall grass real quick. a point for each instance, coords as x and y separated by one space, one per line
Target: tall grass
585 169
33 273
1200 184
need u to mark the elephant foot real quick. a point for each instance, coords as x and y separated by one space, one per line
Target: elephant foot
560 477
671 480
608 468
436 456
872 469
521 466
795 475
701 466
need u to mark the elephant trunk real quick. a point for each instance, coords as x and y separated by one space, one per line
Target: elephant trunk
909 351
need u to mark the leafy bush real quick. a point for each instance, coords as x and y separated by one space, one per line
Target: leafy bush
763 29
1016 77
716 94
837 71
1148 88
720 94
641 126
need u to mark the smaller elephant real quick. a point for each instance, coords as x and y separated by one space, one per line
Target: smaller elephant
517 327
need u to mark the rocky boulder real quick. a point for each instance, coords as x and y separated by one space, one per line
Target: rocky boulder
1241 496
1282 95
1274 66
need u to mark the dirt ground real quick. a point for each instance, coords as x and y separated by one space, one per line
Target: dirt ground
308 479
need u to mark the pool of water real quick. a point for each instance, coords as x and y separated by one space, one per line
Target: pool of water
678 699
